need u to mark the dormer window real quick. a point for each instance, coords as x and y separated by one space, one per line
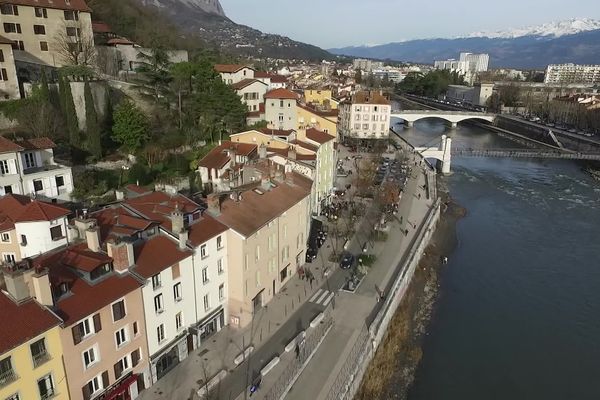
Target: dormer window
101 271
29 160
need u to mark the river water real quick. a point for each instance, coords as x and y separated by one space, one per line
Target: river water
518 315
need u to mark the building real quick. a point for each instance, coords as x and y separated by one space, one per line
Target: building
531 93
273 81
219 168
27 167
252 92
268 228
232 73
9 85
319 97
366 65
572 73
476 62
468 65
31 355
41 29
366 116
323 120
30 227
281 109
477 95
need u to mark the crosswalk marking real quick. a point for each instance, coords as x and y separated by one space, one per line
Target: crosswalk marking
317 294
322 297
328 299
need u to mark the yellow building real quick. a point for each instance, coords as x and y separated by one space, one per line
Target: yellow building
31 360
322 97
309 117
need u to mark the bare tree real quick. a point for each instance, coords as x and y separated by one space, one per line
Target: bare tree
75 46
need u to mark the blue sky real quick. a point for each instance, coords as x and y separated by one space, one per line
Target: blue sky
333 23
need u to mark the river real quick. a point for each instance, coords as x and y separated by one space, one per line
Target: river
518 315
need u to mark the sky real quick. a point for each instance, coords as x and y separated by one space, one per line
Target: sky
338 23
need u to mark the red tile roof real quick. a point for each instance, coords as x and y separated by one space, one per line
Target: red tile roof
101 27
305 145
81 258
117 222
78 5
230 68
137 189
318 136
115 41
218 157
158 206
23 322
279 79
277 132
8 146
156 255
366 97
40 211
281 94
245 82
320 113
11 206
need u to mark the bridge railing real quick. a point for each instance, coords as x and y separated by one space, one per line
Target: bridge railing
440 112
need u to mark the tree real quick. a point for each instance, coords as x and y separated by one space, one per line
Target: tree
509 95
44 89
94 139
70 114
358 76
154 76
130 127
75 46
35 114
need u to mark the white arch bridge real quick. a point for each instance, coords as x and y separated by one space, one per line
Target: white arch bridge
453 117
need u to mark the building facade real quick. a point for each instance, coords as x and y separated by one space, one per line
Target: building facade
252 92
366 116
9 85
572 73
281 109
232 74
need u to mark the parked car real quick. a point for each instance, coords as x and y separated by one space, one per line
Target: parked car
347 260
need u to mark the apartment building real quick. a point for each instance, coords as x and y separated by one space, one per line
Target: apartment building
9 85
268 228
273 81
31 355
281 109
366 116
252 92
29 227
40 29
572 73
28 167
222 165
323 120
234 73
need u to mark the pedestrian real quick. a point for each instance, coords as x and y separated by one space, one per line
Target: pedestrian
297 349
419 196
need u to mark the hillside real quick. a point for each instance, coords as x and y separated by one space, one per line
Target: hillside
529 51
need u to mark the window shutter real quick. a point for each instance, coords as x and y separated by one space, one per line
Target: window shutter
97 324
76 330
135 357
105 379
118 370
87 393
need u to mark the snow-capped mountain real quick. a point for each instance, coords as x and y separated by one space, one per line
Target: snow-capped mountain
555 29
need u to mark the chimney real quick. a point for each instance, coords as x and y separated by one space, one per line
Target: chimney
265 183
213 201
15 284
72 233
183 238
262 151
83 224
41 288
291 153
119 194
235 196
122 255
176 220
92 237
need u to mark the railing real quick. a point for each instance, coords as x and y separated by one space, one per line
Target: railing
8 377
525 153
40 358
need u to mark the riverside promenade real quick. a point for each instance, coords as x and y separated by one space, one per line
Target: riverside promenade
341 329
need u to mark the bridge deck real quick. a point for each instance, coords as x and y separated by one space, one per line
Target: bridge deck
525 153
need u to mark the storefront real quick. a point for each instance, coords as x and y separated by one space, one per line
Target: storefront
210 325
125 389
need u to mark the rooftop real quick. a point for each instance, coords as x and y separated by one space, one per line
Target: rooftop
230 68
157 254
369 98
78 5
220 155
318 136
281 94
245 82
11 146
277 132
18 208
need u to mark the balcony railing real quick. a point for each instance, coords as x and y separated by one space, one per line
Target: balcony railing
41 358
8 377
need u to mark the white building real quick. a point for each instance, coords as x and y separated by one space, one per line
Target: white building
280 109
252 92
468 65
273 81
28 167
366 65
572 73
9 85
231 73
476 62
365 116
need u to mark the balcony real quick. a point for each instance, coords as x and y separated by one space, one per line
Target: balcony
35 170
40 358
8 377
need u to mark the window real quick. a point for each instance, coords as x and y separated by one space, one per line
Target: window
246 262
158 303
220 266
122 365
90 357
86 328
280 116
37 185
203 253
44 46
23 240
118 310
9 9
257 253
71 31
206 302
29 160
71 15
13 397
56 232
39 354
135 357
205 275
39 29
60 181
156 281
160 333
280 103
46 387
1 56
257 278
101 271
7 374
4 167
175 272
178 321
41 12
18 44
121 337
5 237
95 385
177 292
221 292
135 328
219 242
12 28
271 241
